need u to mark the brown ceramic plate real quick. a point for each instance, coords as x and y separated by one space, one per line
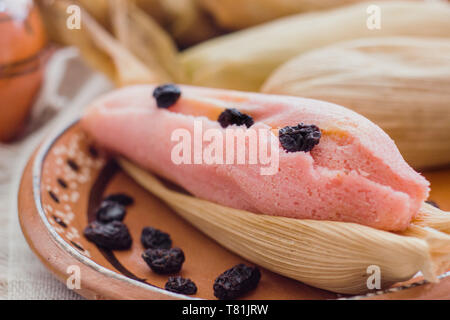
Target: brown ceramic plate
64 182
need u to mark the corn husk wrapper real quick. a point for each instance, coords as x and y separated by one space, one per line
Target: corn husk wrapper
106 53
432 217
401 84
325 254
244 59
241 14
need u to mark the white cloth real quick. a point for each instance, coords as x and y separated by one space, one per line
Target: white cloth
68 86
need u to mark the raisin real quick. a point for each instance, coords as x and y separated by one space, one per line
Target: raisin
181 285
234 116
301 137
434 204
164 261
236 281
113 235
166 95
110 211
120 198
152 238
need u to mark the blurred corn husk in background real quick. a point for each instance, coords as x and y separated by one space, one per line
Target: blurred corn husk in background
143 37
241 14
98 9
185 20
55 17
244 59
402 84
137 36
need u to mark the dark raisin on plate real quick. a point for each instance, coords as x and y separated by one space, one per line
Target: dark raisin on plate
164 261
234 116
166 95
110 211
181 285
112 235
433 203
120 198
236 281
301 137
152 238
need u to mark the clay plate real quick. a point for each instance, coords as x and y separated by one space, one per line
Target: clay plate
64 182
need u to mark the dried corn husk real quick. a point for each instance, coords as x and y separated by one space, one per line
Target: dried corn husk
432 217
244 59
185 20
55 17
98 9
245 13
141 35
325 254
401 84
103 51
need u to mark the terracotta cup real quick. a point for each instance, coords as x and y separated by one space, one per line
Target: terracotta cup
22 44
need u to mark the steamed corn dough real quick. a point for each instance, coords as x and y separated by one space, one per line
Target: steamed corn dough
354 174
244 59
402 84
